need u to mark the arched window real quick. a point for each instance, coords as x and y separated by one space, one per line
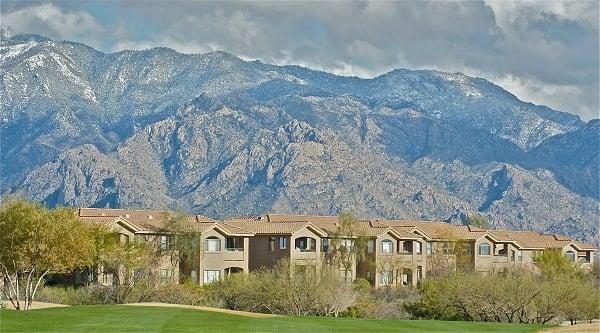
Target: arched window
212 244
306 244
570 255
484 249
387 246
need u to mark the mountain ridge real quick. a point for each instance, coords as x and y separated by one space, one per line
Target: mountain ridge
219 136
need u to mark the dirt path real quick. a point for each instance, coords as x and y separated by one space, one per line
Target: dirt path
204 308
579 328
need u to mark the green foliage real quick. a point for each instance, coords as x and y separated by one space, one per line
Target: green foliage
185 238
341 255
36 241
552 264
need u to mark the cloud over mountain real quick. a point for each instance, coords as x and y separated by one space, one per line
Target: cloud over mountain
545 52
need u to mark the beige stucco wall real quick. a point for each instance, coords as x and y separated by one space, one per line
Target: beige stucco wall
219 261
298 257
399 262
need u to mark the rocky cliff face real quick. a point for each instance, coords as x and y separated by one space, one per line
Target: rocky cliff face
219 136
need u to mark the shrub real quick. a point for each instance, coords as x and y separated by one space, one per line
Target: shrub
515 296
86 295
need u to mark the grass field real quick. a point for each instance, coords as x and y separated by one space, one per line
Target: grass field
122 318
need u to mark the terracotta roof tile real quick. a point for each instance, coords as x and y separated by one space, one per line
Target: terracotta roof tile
145 220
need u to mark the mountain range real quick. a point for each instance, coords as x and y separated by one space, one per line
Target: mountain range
216 135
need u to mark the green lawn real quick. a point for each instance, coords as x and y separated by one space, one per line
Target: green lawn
120 318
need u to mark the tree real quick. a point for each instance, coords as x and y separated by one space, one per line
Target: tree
477 220
348 244
185 244
451 257
131 265
35 242
553 264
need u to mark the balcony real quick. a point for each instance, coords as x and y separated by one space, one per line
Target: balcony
500 259
234 249
409 256
583 260
233 254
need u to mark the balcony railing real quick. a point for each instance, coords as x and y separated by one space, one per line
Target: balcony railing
234 249
500 258
306 250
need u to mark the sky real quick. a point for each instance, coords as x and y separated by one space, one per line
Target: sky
545 52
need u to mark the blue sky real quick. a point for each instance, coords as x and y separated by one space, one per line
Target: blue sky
544 52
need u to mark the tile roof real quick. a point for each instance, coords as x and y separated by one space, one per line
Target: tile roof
144 220
534 240
264 227
290 223
154 221
439 230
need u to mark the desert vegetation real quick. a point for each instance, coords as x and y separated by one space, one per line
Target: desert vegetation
35 246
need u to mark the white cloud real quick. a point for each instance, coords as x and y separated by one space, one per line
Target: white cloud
566 98
508 12
543 51
51 20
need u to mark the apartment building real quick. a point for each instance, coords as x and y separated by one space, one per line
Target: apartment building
391 252
223 249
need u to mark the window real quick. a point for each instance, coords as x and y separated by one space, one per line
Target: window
407 247
484 249
418 247
234 244
370 246
470 249
502 251
211 276
347 275
165 243
570 255
513 255
271 244
283 243
429 248
519 256
324 244
419 273
346 243
386 278
166 276
306 244
212 244
447 248
386 246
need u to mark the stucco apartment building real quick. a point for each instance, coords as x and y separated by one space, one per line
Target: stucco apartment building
393 252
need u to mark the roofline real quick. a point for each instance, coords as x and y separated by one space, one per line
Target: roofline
391 230
223 230
582 248
317 230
